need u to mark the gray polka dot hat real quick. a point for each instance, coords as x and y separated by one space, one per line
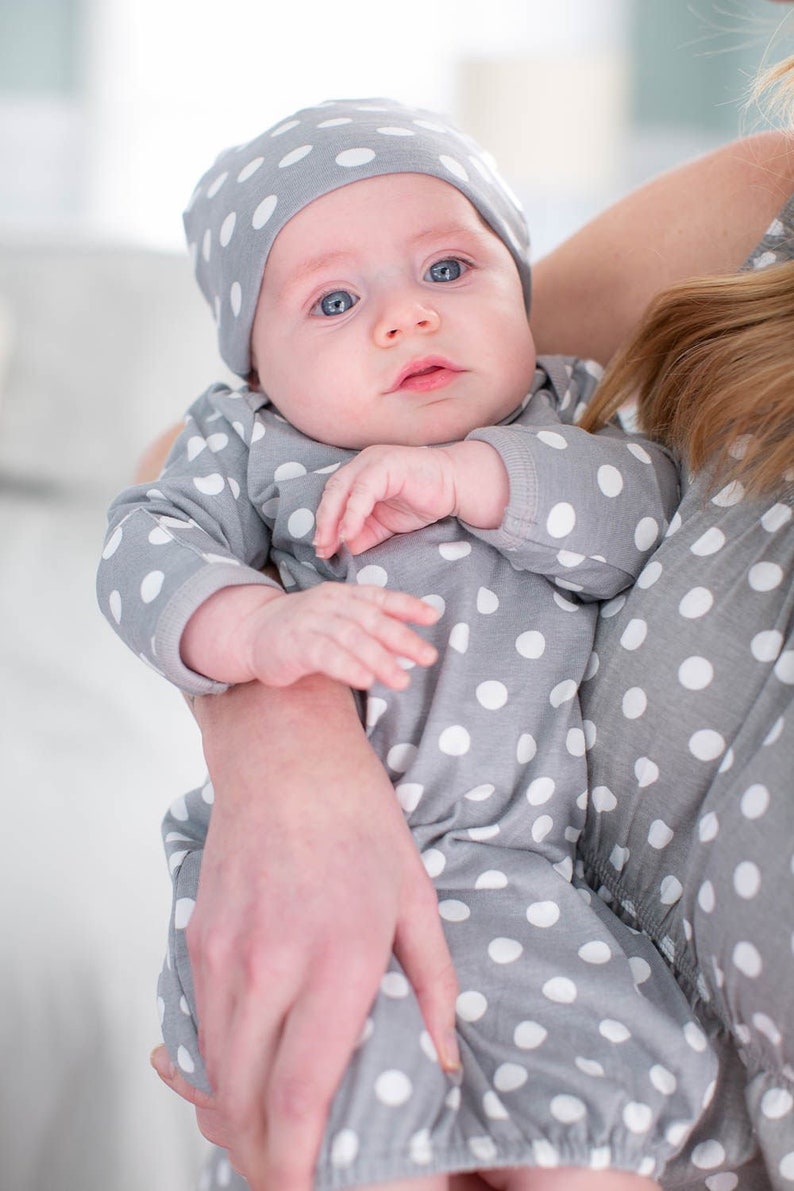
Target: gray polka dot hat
251 191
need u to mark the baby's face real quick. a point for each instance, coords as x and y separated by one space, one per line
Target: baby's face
389 313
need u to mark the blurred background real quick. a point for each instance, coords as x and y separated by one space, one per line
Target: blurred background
109 112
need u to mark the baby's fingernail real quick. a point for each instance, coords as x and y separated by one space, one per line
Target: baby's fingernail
162 1064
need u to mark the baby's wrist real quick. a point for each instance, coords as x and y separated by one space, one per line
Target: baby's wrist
482 486
217 640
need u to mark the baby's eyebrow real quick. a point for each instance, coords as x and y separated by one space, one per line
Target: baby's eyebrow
306 269
453 231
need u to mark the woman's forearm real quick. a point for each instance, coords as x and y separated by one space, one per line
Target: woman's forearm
700 218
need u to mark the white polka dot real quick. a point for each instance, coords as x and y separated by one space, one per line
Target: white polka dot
437 602
483 1148
300 523
755 801
459 638
609 480
493 1107
250 169
504 951
776 517
211 485
335 122
185 1060
766 645
707 1155
287 126
183 909
350 158
646 533
344 1148
786 1167
767 1027
774 733
396 131
454 741
471 1005
236 298
480 793
420 1147
567 558
529 1035
731 494
706 897
526 748
540 790
708 827
492 878
706 744
646 772
487 601
659 834
725 1181
784 667
696 603
563 692
575 742
393 1088
776 1103
543 914
375 709
531 644
695 673
567 1109
541 828
151 586
509 1077
373 574
670 891
637 1117
649 574
294 156
452 910
613 1031
603 799
394 985
453 1099
595 952
195 445
113 542
454 167
618 857
747 879
638 452
634 634
640 969
663 1080
206 244
561 520
565 605
561 990
400 757
264 211
227 229
545 1155
695 1038
452 551
552 439
765 576
114 604
708 543
491 695
747 959
434 861
634 703
409 795
481 834
589 1067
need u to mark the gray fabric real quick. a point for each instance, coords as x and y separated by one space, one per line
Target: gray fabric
250 192
695 845
578 1047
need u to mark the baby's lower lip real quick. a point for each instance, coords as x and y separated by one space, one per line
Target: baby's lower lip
429 379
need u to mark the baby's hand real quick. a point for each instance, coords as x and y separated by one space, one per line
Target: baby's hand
354 634
385 490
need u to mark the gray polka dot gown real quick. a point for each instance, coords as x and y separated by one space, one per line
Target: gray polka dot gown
690 826
578 1046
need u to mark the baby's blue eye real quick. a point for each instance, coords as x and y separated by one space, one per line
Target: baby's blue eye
448 270
338 302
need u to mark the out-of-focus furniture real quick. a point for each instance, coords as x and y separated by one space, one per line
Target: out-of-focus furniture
100 347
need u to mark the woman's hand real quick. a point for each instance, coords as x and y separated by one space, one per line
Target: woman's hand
309 879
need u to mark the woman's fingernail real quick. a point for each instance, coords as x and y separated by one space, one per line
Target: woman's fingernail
450 1056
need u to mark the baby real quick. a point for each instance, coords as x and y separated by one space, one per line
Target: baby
368 271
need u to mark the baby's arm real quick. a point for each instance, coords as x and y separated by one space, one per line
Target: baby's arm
388 490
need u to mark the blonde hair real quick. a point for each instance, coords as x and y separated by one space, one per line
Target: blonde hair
711 365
